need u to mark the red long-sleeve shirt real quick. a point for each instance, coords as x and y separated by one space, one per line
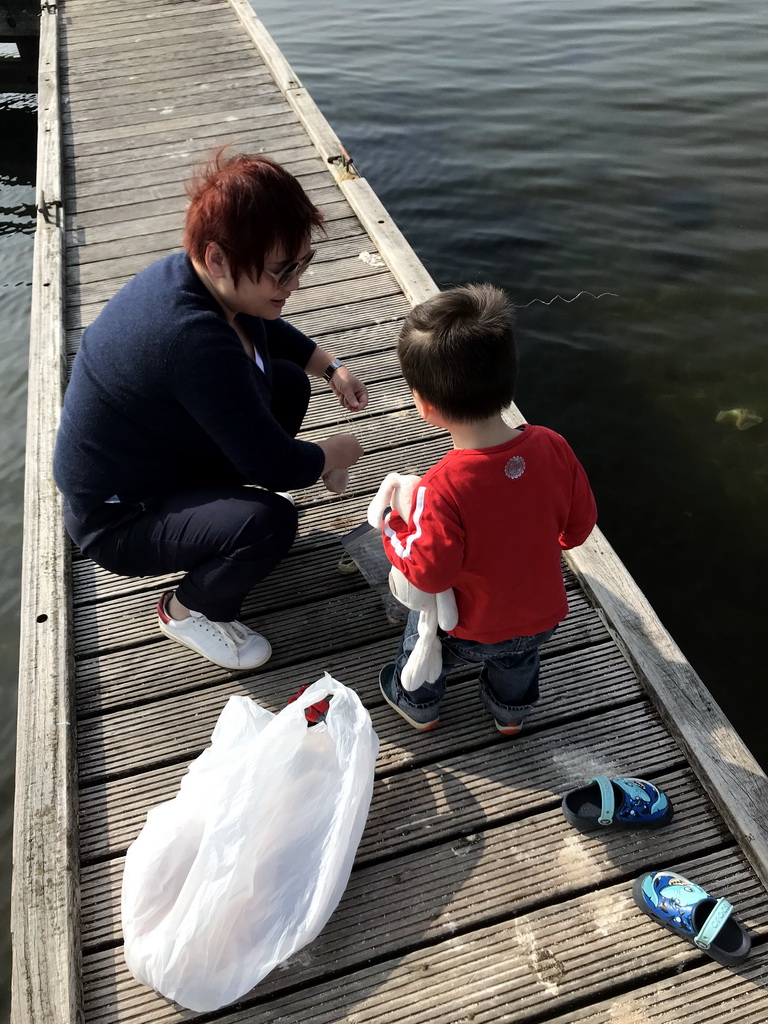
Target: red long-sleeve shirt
491 523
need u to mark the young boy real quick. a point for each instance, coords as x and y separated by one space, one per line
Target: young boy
491 518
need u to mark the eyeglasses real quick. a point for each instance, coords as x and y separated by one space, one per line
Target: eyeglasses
295 269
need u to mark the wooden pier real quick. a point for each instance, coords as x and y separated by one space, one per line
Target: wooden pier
471 901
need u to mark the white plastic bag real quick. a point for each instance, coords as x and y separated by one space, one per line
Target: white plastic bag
247 863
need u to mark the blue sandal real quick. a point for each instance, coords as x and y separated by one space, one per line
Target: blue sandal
616 803
685 909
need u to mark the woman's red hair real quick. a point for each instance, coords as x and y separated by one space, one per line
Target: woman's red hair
250 206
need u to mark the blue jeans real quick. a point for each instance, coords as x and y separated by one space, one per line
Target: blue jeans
509 680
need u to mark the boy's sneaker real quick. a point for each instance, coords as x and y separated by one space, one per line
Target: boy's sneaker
511 729
228 644
421 718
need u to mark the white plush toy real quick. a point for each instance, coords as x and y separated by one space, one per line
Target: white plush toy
426 660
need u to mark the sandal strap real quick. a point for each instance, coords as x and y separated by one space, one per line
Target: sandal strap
607 799
714 924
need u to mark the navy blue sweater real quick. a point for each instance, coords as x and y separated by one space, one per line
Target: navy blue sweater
163 397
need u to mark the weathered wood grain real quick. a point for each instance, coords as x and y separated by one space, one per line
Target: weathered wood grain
167 238
98 281
731 775
329 283
132 99
510 866
702 994
163 730
300 161
46 972
436 798
471 900
512 969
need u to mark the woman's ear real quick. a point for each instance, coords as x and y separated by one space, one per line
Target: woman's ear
216 262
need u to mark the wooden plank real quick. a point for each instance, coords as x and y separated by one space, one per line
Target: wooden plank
330 283
284 135
283 149
147 114
733 778
174 170
138 659
207 140
144 207
700 995
252 104
516 864
515 969
178 167
342 274
46 982
142 108
159 243
99 27
109 274
368 284
321 321
111 198
218 58
96 143
153 46
137 738
434 800
129 96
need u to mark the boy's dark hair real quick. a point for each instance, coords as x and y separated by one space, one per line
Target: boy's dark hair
457 350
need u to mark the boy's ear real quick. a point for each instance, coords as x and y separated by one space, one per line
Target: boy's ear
423 408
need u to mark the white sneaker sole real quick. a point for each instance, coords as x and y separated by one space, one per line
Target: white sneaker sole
222 664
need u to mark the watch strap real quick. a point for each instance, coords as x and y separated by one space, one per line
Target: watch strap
331 368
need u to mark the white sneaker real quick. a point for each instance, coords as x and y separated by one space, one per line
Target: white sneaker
228 644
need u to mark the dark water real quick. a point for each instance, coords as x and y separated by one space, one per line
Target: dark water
582 145
550 148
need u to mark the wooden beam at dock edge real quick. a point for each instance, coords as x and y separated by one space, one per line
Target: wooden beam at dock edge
46 973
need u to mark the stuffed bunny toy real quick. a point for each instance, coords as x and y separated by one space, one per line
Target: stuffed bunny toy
426 660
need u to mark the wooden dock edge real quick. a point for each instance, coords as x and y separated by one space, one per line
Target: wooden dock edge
728 771
731 775
45 918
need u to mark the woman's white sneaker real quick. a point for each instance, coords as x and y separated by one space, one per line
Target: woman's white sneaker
227 644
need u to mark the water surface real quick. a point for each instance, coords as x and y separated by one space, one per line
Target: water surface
579 145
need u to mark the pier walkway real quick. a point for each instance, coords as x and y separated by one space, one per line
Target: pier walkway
471 900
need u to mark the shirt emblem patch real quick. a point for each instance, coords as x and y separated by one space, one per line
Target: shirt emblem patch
515 467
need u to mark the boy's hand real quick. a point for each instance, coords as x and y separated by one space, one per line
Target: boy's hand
349 389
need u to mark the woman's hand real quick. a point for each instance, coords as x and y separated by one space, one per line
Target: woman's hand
341 451
351 391
336 480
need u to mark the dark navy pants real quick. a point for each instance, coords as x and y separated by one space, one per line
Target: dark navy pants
226 536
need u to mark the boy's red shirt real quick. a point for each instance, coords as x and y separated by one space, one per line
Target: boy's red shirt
491 523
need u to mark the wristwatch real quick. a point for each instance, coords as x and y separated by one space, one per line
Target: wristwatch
331 368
